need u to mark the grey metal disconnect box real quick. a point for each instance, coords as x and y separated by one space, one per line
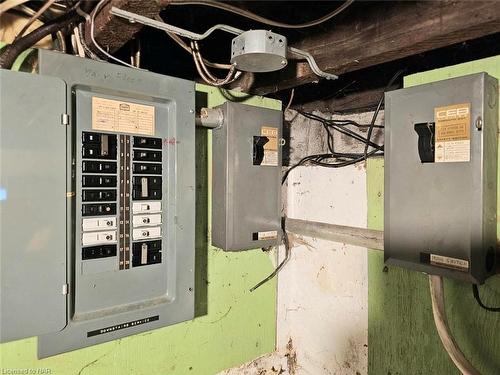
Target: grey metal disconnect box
246 178
441 177
98 173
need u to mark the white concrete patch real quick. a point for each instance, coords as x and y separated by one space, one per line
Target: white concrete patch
323 290
271 364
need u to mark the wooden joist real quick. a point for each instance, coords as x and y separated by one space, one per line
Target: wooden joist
383 32
113 32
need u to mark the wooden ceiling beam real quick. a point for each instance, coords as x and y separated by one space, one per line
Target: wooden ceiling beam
384 32
113 32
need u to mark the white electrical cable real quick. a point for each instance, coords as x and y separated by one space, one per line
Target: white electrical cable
438 310
79 46
9 4
87 50
200 60
91 19
232 75
184 46
135 57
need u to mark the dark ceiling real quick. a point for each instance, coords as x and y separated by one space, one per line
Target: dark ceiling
160 54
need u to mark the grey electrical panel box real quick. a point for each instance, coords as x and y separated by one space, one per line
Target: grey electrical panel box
246 178
441 177
110 215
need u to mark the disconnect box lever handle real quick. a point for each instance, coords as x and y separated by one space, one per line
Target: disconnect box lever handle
425 132
258 149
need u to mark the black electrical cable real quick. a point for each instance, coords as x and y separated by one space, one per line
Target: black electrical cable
10 53
286 241
475 291
318 159
335 159
379 105
340 129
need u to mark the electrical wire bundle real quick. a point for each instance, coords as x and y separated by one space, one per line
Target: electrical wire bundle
334 159
206 75
70 23
55 17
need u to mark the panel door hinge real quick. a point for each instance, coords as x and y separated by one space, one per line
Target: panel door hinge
65 289
64 119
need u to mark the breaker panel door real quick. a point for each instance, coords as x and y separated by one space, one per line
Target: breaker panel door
32 205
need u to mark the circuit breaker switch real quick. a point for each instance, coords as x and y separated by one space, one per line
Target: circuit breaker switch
144 253
146 220
96 238
146 207
92 224
104 145
144 187
141 234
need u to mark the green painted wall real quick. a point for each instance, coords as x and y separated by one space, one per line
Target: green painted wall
234 325
401 334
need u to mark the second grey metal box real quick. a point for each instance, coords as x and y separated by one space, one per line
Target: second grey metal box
246 178
440 195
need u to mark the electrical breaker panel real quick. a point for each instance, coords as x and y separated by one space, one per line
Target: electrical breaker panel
246 178
441 177
129 183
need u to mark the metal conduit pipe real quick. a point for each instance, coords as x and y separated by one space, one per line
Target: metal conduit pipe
374 239
370 238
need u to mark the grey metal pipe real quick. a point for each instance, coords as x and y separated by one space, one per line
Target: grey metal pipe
133 17
211 118
370 238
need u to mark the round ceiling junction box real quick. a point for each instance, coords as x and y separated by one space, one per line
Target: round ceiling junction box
259 51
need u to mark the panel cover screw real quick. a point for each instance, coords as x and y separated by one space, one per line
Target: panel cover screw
479 123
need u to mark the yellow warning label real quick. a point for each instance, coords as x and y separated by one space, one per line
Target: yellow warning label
126 117
271 147
452 138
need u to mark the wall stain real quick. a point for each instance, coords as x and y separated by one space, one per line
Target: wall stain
296 240
222 317
99 358
291 355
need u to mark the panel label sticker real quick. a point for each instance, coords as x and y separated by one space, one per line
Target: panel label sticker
271 147
118 327
448 262
125 117
268 235
452 138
